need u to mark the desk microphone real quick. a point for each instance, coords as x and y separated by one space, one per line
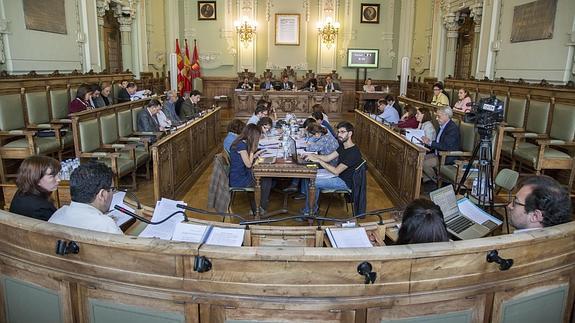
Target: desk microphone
414 137
135 216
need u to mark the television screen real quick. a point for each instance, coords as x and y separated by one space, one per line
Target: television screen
367 58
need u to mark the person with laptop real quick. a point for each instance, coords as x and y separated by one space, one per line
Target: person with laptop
540 202
422 223
243 154
447 140
349 157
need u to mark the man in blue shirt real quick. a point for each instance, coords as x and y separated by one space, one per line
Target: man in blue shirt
388 113
447 140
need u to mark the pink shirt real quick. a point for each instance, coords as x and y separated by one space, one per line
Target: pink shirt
461 105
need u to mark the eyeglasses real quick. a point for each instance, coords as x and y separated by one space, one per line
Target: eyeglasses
112 189
515 202
436 89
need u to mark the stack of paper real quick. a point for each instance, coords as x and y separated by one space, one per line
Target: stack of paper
164 208
415 135
200 233
348 237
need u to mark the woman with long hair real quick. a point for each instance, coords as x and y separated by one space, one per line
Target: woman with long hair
464 100
82 100
425 120
243 154
422 223
37 179
408 120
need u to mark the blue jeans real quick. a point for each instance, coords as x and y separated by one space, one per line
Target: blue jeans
334 183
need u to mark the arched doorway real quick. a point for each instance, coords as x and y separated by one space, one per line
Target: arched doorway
112 42
464 51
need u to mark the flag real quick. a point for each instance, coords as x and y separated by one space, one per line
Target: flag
186 70
195 70
180 68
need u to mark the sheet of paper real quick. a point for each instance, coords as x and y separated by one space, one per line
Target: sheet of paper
163 209
190 232
348 238
268 142
272 152
301 143
414 136
230 237
474 213
324 173
119 217
301 151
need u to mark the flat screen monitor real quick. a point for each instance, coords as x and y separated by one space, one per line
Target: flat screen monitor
366 58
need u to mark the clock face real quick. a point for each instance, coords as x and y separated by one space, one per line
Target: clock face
207 10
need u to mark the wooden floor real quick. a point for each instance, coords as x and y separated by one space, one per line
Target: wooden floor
197 197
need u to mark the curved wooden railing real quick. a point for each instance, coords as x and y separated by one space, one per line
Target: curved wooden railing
131 278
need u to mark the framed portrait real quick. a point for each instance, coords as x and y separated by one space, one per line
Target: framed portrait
370 13
287 29
206 10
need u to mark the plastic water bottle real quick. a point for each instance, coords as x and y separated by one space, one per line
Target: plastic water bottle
285 145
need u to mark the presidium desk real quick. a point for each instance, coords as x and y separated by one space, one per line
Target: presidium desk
299 102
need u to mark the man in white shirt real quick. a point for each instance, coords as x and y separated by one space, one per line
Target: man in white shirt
92 191
388 113
540 202
261 111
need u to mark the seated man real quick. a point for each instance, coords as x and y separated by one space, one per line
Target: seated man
387 112
125 94
540 202
267 85
261 111
91 190
447 140
349 158
245 85
330 86
286 85
190 107
235 127
149 120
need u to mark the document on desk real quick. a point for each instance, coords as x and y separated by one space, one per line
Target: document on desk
163 209
474 213
301 151
191 232
230 237
268 142
348 237
301 143
271 152
119 217
417 133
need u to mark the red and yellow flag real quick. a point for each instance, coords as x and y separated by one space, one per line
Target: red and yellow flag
195 69
180 68
186 70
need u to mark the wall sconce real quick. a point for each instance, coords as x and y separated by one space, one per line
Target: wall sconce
327 31
246 31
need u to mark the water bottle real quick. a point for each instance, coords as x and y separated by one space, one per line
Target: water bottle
285 145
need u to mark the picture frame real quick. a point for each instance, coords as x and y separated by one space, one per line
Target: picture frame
287 29
207 10
369 13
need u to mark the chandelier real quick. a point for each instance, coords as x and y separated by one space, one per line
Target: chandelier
246 31
327 32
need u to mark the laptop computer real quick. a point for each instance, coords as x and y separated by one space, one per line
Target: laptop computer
475 225
295 157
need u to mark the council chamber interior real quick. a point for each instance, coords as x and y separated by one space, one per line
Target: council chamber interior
443 158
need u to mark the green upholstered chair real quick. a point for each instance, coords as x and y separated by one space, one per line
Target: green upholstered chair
514 122
198 84
116 87
59 115
110 136
451 94
21 142
467 139
38 117
119 157
553 151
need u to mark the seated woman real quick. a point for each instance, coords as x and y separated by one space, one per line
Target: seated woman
423 116
82 100
37 179
422 223
408 120
321 141
235 127
105 94
369 105
243 153
464 99
368 87
439 98
265 124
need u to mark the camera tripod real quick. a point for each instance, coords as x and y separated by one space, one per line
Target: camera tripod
483 154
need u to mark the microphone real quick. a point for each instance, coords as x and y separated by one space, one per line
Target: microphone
134 215
200 211
133 196
420 141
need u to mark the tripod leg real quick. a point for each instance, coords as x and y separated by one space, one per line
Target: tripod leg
468 168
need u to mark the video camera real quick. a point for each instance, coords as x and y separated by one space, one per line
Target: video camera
486 113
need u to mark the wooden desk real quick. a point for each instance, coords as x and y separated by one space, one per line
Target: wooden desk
180 157
362 96
287 101
396 163
285 169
